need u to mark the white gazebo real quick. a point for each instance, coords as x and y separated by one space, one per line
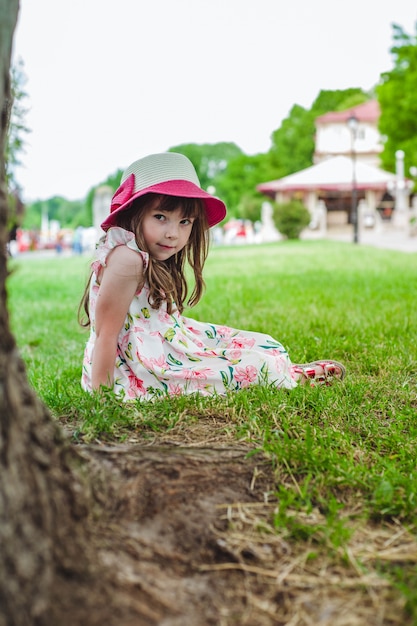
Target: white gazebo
326 190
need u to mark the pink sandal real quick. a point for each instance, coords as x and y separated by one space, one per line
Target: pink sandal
332 370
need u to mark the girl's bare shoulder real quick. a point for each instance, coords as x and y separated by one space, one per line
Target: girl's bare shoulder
125 262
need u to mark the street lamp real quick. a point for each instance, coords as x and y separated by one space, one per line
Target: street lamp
353 127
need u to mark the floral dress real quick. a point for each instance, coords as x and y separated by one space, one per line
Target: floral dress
169 354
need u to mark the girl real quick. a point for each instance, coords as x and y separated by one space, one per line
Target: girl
140 344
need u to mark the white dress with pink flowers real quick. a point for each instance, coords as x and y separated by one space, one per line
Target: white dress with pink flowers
160 354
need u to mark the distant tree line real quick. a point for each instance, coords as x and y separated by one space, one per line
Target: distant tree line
233 175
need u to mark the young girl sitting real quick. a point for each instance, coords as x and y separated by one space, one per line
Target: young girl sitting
140 344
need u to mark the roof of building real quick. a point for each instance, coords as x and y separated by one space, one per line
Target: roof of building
332 174
366 112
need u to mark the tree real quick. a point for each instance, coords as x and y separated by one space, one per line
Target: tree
17 127
397 98
339 100
237 184
293 142
209 160
69 213
14 146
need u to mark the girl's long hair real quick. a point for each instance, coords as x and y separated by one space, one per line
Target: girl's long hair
166 279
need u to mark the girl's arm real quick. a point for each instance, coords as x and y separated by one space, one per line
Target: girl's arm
120 280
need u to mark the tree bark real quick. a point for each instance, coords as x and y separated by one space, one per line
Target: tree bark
43 501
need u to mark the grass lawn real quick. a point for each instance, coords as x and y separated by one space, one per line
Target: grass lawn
344 456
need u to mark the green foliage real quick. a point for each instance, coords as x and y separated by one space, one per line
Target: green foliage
15 142
339 100
397 98
291 218
237 185
209 160
250 207
293 143
69 213
17 128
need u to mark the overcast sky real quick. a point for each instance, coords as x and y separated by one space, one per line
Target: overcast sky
110 82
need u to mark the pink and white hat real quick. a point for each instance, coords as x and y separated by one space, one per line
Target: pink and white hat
170 174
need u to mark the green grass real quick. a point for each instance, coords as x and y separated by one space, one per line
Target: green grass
348 451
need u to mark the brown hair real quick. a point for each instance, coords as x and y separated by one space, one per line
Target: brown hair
166 279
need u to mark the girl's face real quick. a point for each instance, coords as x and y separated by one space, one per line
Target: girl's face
165 232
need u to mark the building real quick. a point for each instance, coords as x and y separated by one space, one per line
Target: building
345 186
334 137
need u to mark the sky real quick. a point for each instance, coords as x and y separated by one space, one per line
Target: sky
110 82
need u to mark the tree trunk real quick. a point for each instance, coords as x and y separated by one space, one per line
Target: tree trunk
43 502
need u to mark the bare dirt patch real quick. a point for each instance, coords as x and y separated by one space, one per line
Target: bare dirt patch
185 524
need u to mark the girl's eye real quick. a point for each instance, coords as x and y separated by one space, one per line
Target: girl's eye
186 221
159 216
